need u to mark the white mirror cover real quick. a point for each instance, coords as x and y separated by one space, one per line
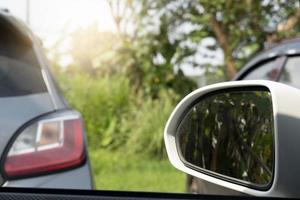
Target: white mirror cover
286 112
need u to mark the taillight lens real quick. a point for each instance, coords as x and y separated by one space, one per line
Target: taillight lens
47 146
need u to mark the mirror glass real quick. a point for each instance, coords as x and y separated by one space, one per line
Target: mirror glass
230 134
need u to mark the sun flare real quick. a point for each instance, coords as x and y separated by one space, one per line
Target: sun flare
51 18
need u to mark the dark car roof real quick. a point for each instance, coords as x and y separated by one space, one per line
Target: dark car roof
288 47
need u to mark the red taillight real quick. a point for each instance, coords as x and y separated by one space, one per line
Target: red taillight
55 145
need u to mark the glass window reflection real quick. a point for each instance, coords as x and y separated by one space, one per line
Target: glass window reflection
230 133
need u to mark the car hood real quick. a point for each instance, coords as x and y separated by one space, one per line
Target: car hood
16 111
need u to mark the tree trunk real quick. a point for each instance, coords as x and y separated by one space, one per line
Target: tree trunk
230 67
222 38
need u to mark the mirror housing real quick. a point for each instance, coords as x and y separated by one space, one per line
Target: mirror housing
285 180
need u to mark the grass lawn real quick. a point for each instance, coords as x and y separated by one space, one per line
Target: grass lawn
118 171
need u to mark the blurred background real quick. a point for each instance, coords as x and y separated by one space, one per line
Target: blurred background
125 64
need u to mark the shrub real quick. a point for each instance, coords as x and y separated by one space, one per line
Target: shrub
146 125
117 116
102 103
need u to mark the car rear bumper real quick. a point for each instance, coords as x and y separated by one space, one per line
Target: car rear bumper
79 178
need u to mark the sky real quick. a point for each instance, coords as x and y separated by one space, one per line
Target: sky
49 18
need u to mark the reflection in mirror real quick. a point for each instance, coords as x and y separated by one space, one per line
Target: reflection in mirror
230 133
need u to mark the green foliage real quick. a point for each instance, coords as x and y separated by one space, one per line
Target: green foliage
156 56
146 123
120 171
240 28
103 104
125 85
116 117
119 87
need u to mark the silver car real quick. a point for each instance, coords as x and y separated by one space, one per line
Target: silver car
43 141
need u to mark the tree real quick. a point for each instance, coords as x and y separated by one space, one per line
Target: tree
147 56
240 28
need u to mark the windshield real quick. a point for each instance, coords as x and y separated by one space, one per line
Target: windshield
121 66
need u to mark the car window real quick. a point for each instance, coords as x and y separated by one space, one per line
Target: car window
265 71
291 72
20 73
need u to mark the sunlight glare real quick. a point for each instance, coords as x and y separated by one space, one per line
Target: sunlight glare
51 18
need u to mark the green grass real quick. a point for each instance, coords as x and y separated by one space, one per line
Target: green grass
120 171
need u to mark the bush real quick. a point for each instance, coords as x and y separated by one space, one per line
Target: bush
103 103
146 125
117 116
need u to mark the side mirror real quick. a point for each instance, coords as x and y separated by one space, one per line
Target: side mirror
242 135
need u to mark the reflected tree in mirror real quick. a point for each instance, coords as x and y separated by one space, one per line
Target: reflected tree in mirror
230 133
